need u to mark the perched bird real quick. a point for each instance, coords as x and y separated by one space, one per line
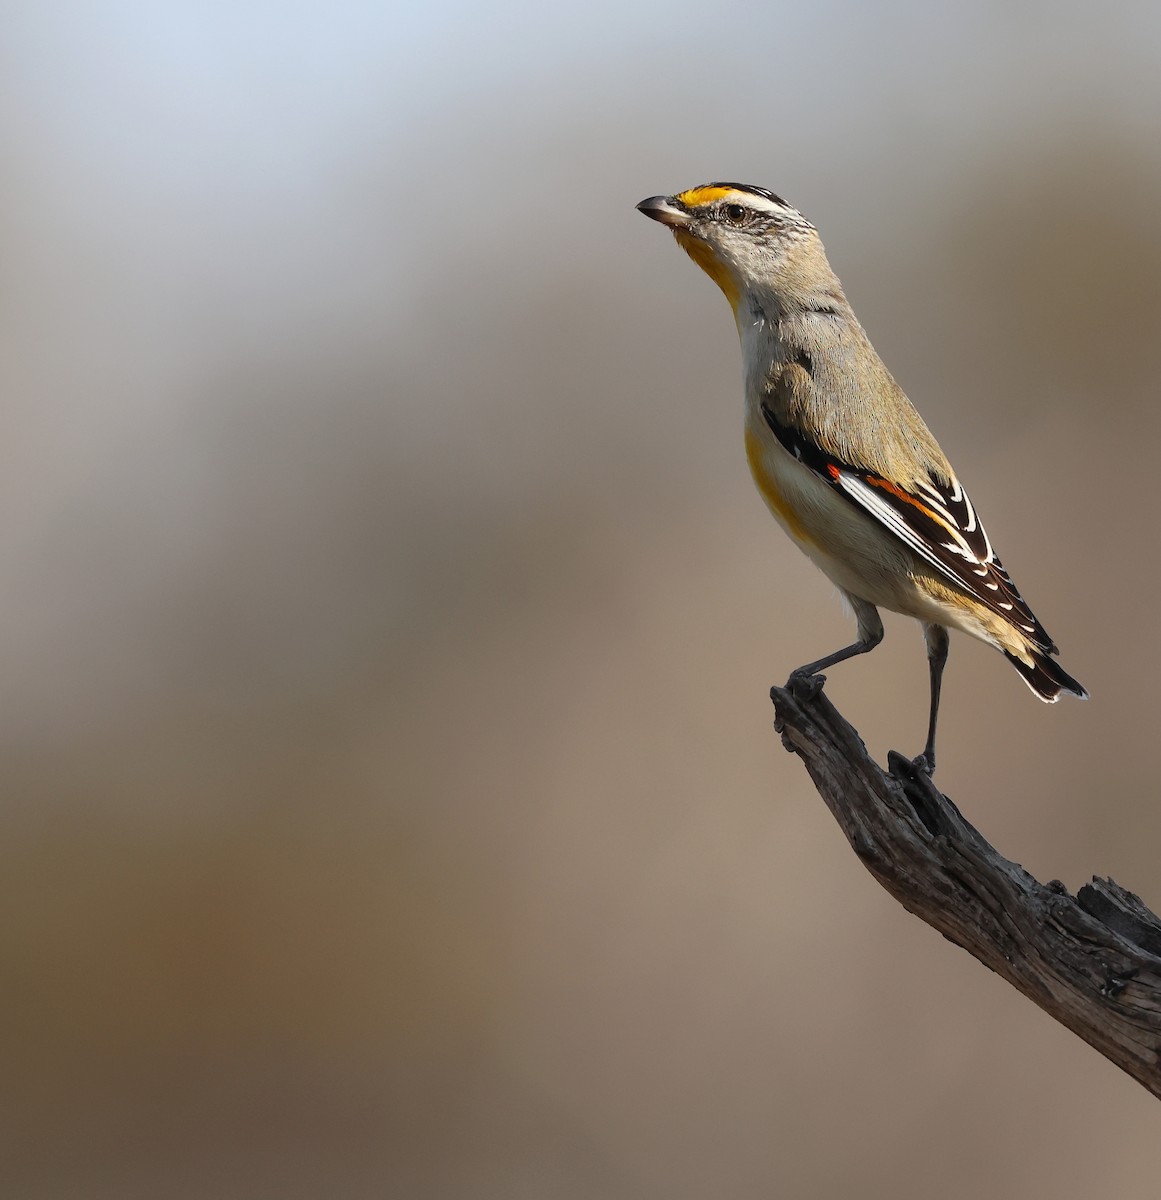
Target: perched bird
841 457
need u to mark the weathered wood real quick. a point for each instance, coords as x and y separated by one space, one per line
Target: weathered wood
1092 961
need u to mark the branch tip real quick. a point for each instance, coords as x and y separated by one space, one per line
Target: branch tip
1093 961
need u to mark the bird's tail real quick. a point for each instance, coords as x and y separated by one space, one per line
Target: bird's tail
1045 676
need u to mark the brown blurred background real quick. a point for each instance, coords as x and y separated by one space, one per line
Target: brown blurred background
390 800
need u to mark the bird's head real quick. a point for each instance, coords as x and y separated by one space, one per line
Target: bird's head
749 241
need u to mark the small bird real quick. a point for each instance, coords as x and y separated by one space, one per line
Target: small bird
842 459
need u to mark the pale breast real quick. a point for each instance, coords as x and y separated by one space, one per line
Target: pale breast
851 548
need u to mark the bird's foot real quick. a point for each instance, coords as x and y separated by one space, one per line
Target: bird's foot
804 686
925 763
902 767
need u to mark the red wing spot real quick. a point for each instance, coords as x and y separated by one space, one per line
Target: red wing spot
906 497
832 471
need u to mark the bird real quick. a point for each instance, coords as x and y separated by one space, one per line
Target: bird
840 455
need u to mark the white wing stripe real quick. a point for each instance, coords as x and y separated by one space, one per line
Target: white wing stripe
865 495
880 509
994 588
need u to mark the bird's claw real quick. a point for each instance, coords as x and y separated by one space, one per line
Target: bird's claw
805 687
924 764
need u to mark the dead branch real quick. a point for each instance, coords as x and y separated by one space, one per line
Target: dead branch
1092 961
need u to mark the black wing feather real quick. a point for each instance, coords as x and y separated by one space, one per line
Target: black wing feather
938 522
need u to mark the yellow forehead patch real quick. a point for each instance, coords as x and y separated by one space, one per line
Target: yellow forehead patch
698 196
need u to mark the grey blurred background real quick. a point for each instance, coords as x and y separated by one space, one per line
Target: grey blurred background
390 800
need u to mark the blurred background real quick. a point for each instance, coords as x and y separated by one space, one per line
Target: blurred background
390 800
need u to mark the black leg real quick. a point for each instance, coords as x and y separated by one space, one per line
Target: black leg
821 664
870 635
937 640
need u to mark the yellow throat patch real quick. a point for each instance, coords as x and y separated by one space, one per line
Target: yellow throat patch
700 252
709 262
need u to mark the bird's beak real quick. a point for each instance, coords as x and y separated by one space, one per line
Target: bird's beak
663 209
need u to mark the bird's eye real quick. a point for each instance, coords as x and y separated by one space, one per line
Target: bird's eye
734 213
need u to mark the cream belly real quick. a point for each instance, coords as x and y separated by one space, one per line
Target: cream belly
856 553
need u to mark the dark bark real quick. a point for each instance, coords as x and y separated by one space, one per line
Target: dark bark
1092 961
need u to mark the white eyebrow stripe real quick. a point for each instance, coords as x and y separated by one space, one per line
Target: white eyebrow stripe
763 204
